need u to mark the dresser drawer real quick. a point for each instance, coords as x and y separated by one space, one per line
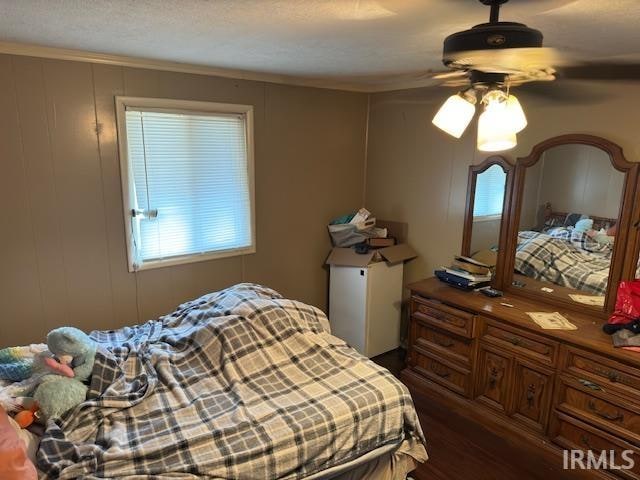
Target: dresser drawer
604 372
520 341
493 378
458 349
441 371
532 395
612 413
443 316
571 433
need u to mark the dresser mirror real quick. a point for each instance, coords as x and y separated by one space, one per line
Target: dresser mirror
488 195
572 208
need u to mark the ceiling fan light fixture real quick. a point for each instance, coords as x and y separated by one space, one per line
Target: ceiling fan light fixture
495 133
517 118
455 115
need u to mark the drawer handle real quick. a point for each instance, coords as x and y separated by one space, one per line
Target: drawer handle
442 317
493 377
432 313
429 311
618 417
613 377
515 341
442 373
531 394
444 343
591 385
586 441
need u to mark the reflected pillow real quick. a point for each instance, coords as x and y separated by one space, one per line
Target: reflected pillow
584 225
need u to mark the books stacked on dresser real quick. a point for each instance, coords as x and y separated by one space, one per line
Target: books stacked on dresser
465 273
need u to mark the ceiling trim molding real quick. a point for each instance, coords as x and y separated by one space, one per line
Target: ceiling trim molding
41 51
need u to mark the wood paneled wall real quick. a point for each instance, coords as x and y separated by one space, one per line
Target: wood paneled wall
62 244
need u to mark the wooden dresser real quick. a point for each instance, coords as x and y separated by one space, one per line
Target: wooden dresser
554 389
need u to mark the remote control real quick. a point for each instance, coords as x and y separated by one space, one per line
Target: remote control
491 292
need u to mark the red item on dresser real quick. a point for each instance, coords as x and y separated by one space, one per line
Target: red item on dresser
627 302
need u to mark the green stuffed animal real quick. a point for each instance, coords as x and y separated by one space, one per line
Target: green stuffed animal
57 394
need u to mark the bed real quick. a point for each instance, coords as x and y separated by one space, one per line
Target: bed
238 384
565 257
560 250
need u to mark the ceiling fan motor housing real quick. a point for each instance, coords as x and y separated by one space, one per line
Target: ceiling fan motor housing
489 36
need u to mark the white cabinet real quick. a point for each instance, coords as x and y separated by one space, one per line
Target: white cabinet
365 305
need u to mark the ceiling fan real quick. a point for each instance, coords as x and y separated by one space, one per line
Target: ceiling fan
486 61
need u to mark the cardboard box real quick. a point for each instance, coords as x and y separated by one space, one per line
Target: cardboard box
381 242
365 293
347 257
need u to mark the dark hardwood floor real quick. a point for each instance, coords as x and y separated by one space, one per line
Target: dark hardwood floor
460 449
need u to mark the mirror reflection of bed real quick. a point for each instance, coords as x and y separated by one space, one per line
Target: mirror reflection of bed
570 205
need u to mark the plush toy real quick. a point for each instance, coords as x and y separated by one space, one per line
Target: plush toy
59 391
26 417
17 363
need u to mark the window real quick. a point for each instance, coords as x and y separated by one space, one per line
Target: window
489 194
187 177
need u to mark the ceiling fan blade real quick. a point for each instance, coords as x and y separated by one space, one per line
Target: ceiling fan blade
452 74
509 60
564 92
601 71
461 83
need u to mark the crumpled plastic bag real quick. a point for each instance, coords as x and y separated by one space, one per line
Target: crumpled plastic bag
348 235
627 302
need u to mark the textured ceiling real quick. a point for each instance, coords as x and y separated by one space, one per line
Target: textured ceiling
364 42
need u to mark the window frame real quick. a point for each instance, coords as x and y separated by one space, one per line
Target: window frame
487 218
181 106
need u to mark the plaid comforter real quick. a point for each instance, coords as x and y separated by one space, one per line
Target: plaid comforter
581 240
238 384
563 260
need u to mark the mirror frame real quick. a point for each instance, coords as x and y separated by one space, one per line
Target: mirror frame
618 270
467 232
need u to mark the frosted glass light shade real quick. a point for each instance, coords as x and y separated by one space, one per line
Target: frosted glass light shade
516 117
454 115
495 132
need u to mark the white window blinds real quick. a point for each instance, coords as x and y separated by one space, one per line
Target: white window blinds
489 194
190 191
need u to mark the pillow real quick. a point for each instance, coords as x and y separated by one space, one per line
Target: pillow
14 464
584 225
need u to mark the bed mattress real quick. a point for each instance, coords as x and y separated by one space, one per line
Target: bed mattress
241 383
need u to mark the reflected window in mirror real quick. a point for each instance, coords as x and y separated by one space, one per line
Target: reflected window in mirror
488 188
489 195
